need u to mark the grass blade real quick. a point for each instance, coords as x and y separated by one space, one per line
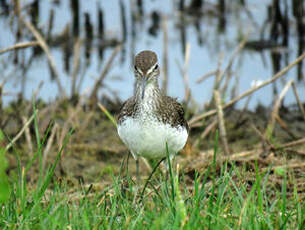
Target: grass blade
4 184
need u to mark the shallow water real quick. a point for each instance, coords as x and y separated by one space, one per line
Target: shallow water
248 67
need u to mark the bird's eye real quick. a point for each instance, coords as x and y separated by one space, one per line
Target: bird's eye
156 67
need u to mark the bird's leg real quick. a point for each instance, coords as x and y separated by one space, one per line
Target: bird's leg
137 166
137 170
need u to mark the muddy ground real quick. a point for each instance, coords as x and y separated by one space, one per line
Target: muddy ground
94 152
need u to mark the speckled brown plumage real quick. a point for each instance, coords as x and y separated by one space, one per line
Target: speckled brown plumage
172 112
166 109
127 110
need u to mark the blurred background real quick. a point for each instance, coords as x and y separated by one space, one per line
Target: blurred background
75 54
82 35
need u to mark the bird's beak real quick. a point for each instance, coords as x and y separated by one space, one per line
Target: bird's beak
143 85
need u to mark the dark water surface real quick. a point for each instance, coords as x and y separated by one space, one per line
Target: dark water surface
210 32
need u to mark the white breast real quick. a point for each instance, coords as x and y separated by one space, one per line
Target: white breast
148 137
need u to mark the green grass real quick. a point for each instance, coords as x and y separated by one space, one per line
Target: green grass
219 197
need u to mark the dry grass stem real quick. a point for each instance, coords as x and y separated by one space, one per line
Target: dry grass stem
245 108
227 81
219 72
108 114
292 143
106 69
49 145
46 49
264 140
284 126
220 75
204 158
206 76
76 64
252 90
71 117
237 50
36 92
67 123
248 155
235 87
85 124
195 125
243 154
221 123
206 131
28 137
165 55
299 152
276 108
20 45
185 72
298 99
21 131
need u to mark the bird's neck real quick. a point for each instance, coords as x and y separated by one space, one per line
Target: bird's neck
152 94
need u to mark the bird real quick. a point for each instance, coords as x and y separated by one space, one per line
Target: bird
151 123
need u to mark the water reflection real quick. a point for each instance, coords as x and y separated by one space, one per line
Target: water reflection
87 31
